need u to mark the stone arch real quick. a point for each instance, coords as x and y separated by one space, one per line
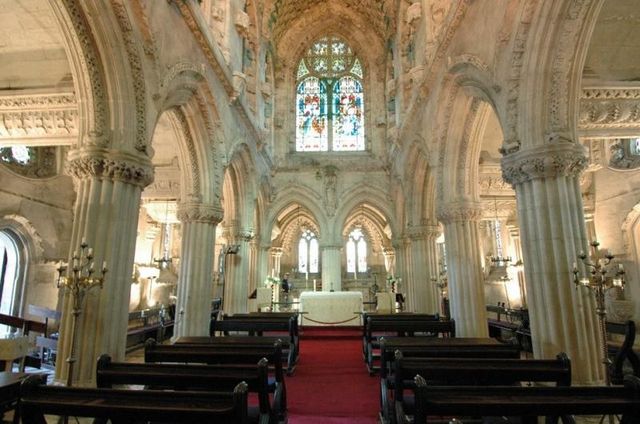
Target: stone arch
421 195
184 93
363 196
29 243
547 58
466 100
292 219
242 177
99 69
372 223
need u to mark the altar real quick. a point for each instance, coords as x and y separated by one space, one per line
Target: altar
330 308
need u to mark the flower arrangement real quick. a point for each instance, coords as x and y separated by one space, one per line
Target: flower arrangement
271 281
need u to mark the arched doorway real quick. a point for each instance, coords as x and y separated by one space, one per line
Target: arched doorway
12 272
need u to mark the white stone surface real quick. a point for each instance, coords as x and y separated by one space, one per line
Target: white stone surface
330 308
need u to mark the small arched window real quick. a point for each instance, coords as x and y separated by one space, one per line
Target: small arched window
329 99
308 253
11 274
356 252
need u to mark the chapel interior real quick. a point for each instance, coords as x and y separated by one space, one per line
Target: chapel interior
450 157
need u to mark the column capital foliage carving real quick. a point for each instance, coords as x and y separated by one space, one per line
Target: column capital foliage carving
564 158
459 211
421 232
189 212
110 165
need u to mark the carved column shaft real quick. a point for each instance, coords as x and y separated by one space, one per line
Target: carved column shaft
237 283
106 214
424 263
331 268
464 269
195 286
406 283
550 213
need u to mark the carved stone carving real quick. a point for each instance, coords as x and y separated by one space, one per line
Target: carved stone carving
459 211
421 232
330 189
39 116
242 23
548 161
198 212
414 13
105 165
621 157
609 108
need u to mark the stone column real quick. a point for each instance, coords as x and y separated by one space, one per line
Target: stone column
550 214
254 248
237 284
276 255
331 268
195 285
109 185
514 232
389 260
425 266
464 270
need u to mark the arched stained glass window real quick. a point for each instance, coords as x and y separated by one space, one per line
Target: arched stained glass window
329 99
356 252
308 253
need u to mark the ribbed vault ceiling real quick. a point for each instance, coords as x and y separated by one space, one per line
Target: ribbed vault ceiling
379 14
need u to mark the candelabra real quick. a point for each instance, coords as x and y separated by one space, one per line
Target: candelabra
499 260
602 277
442 283
78 282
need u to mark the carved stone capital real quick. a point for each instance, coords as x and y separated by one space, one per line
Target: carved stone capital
245 234
199 212
110 165
547 161
459 211
422 232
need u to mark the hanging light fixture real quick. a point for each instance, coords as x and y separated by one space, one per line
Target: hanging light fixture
498 260
164 262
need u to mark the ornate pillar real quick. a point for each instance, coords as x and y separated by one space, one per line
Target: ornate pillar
254 258
109 185
195 285
424 264
514 232
464 269
237 282
331 268
546 180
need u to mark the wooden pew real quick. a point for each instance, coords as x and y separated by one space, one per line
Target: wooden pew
26 326
133 406
229 355
402 328
245 341
556 403
423 347
215 378
259 324
153 323
47 345
400 316
622 352
471 372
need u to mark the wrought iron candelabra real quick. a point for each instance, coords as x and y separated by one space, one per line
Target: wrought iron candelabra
602 276
81 279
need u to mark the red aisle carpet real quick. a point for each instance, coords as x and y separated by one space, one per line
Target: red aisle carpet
331 384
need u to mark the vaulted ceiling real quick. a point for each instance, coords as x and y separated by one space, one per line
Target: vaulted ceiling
378 14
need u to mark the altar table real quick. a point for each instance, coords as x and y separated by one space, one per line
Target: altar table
330 308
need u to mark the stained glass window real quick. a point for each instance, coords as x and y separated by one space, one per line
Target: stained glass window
329 99
356 252
308 253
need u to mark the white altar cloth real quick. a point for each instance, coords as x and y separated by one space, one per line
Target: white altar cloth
331 308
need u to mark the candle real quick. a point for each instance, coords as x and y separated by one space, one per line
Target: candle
90 252
314 285
84 240
575 266
104 266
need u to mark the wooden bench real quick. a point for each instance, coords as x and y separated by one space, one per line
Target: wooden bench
470 372
228 355
622 352
154 323
400 316
133 406
192 377
47 344
458 347
402 328
527 402
246 341
261 324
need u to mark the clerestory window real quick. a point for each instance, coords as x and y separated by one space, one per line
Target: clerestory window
329 99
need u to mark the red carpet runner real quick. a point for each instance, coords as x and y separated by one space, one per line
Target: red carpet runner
331 384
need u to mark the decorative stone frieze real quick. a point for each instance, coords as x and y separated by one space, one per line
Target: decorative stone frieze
49 117
419 232
459 211
198 212
602 108
108 165
550 160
